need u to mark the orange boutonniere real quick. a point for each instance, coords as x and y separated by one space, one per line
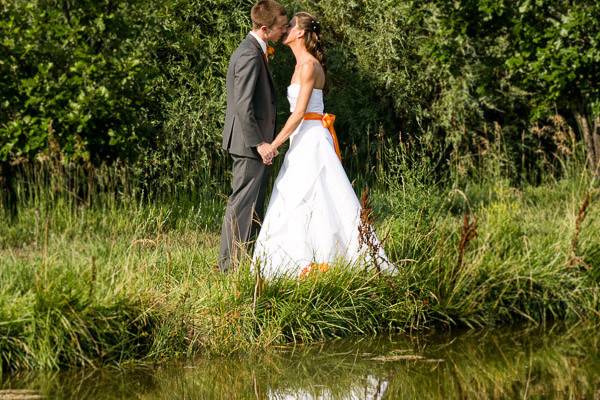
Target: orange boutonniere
270 52
313 268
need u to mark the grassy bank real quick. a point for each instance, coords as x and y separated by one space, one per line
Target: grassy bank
122 280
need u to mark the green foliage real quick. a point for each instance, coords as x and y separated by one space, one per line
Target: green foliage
76 72
524 64
556 54
143 81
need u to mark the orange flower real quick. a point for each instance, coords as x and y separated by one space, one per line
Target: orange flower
270 51
305 271
313 268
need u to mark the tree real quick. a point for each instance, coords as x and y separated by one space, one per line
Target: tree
556 59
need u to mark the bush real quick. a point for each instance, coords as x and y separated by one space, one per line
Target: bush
144 81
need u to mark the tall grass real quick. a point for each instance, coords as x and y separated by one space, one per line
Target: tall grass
123 277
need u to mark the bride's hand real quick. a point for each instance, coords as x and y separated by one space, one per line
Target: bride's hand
272 153
267 152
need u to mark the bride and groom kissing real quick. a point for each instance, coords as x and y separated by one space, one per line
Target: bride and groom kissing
313 214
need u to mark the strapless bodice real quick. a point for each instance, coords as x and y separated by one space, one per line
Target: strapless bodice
315 103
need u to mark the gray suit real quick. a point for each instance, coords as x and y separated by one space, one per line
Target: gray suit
249 121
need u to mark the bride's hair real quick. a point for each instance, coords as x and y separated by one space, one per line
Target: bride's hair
312 35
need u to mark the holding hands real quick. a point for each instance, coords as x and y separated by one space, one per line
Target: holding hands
267 152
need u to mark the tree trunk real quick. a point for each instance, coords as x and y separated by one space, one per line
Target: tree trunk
588 138
596 139
7 191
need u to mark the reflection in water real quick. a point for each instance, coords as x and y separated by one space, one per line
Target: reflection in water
369 387
483 365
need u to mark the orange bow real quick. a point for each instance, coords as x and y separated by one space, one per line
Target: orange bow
327 120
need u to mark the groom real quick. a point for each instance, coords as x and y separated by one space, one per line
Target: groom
249 129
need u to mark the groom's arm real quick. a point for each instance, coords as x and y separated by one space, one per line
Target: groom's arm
247 71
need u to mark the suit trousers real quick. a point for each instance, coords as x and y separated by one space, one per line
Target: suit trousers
245 209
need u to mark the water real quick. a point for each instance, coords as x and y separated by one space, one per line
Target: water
492 364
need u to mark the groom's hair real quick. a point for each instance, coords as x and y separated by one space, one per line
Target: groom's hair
265 13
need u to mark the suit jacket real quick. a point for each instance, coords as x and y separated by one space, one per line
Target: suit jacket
250 116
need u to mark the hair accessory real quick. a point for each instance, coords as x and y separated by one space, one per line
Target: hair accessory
315 26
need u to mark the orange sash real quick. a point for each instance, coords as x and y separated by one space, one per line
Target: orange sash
327 120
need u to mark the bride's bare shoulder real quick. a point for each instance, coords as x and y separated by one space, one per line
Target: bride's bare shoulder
314 71
311 68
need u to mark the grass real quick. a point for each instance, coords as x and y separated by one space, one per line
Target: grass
108 278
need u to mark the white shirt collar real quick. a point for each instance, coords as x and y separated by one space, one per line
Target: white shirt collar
262 43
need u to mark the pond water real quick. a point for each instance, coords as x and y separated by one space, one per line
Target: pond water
492 364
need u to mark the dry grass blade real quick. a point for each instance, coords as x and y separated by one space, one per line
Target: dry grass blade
575 259
366 233
468 233
19 394
398 357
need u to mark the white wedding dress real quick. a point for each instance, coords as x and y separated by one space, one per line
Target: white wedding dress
313 214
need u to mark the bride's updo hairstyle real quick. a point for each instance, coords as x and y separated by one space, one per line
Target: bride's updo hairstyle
312 35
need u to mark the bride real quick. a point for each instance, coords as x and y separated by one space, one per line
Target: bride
313 216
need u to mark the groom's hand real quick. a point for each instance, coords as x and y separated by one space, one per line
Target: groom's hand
267 152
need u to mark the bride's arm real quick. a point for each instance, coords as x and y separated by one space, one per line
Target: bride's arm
307 83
